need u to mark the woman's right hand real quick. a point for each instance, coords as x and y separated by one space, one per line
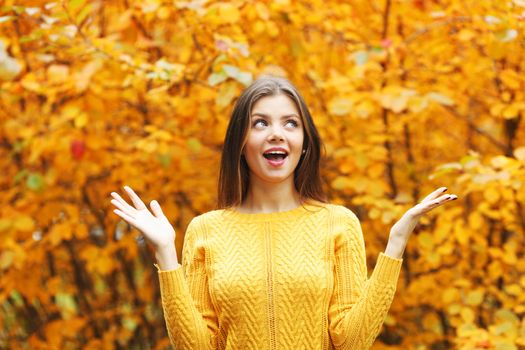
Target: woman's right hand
155 227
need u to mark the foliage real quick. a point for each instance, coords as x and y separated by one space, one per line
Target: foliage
408 96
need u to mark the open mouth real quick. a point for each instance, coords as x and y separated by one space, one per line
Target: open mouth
275 156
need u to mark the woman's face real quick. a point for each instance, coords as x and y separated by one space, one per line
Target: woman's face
275 124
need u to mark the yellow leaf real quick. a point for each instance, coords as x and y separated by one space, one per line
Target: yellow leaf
491 195
262 11
450 295
341 182
432 322
5 224
57 73
462 234
475 220
495 270
59 232
466 35
511 111
365 108
440 98
6 259
223 13
24 223
81 120
417 104
425 240
395 98
497 109
514 289
83 77
454 309
467 315
340 106
510 78
505 315
81 231
475 297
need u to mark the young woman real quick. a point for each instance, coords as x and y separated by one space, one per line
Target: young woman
276 266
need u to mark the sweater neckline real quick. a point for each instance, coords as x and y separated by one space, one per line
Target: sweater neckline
305 207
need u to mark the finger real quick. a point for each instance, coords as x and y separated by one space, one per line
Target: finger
139 204
157 210
435 194
442 200
120 206
124 204
125 216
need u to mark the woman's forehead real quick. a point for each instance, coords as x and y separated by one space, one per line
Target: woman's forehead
275 106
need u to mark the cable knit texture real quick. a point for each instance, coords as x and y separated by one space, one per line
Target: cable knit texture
288 280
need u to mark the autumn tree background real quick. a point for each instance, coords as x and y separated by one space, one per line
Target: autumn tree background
408 95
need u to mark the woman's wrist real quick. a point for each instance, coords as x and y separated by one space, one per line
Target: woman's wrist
167 258
395 247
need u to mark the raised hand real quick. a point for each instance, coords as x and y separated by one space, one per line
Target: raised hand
155 227
430 202
402 229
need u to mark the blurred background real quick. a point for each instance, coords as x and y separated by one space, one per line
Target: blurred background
408 95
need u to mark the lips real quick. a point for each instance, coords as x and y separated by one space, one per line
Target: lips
276 156
275 153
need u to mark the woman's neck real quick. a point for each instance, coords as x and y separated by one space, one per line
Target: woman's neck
270 198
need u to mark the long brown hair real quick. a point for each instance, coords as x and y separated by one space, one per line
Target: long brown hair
234 173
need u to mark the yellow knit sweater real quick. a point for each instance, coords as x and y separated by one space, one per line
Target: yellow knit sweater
286 280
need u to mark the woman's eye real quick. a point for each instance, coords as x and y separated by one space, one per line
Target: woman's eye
293 123
259 121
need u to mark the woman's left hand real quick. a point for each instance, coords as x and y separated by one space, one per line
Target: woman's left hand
402 229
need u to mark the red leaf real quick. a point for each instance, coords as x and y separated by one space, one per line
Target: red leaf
78 147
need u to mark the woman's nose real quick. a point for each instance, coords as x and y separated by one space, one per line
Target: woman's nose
276 134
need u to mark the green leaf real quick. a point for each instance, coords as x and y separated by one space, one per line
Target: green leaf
225 95
244 78
221 58
217 78
19 9
17 298
230 70
129 323
66 303
35 182
194 145
20 175
35 35
164 159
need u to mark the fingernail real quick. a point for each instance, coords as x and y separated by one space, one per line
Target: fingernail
445 189
454 198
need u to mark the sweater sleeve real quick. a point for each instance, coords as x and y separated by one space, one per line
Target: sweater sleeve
358 306
190 317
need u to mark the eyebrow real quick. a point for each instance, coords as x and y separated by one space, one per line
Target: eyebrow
267 116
